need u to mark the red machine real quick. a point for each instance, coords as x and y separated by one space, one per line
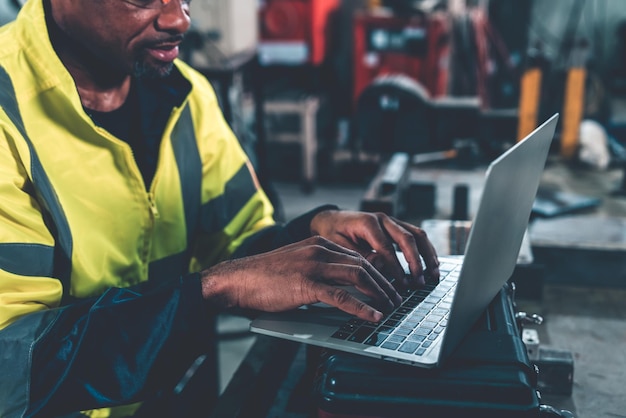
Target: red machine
415 46
294 32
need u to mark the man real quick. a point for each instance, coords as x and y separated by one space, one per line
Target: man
130 216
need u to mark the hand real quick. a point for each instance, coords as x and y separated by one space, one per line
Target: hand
373 234
303 273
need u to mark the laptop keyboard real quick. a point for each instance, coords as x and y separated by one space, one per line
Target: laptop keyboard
414 325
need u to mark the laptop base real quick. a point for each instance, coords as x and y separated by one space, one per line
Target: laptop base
490 375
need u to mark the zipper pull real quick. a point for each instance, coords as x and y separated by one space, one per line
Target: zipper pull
153 207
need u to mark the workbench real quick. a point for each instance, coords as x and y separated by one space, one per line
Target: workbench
569 245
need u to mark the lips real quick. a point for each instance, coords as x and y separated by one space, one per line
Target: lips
165 53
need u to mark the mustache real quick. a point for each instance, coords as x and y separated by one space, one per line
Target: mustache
166 40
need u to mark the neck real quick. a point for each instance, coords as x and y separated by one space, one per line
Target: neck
99 86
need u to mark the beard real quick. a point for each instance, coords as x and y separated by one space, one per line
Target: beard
146 66
146 70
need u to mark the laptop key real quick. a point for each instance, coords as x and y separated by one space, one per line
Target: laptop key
421 331
351 325
435 317
376 339
391 323
342 335
416 337
396 338
390 345
411 323
427 305
446 267
428 325
408 347
361 334
384 329
417 316
403 331
410 303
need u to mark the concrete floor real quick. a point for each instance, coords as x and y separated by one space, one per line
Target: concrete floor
589 322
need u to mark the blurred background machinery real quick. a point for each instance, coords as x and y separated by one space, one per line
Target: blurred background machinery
223 29
294 32
415 43
9 9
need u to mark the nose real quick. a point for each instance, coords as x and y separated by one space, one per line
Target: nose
174 17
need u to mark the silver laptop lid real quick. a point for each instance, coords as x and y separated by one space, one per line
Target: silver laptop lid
510 187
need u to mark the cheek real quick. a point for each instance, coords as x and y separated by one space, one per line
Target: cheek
124 45
134 38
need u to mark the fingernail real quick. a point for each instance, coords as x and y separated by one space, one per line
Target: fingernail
421 280
378 316
397 299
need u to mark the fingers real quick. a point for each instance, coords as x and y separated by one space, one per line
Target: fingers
425 250
412 242
366 280
345 301
302 273
373 235
338 265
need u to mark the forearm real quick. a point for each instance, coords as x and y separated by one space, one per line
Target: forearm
111 350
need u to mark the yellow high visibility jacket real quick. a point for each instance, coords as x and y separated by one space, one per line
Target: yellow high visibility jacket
97 303
108 228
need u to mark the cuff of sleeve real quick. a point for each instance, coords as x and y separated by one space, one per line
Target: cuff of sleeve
299 228
191 289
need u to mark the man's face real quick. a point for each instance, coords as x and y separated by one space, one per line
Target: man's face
139 37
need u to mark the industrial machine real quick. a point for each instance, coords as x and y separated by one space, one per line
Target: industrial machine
294 32
415 45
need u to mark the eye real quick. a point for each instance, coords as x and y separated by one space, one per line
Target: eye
145 4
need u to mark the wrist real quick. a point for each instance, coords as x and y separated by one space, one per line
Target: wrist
320 219
216 288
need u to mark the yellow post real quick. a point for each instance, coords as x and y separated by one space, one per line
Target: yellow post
374 4
572 111
530 94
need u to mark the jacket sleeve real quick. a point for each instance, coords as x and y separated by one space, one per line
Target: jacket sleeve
105 351
280 234
109 350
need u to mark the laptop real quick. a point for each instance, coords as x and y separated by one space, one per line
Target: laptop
432 321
